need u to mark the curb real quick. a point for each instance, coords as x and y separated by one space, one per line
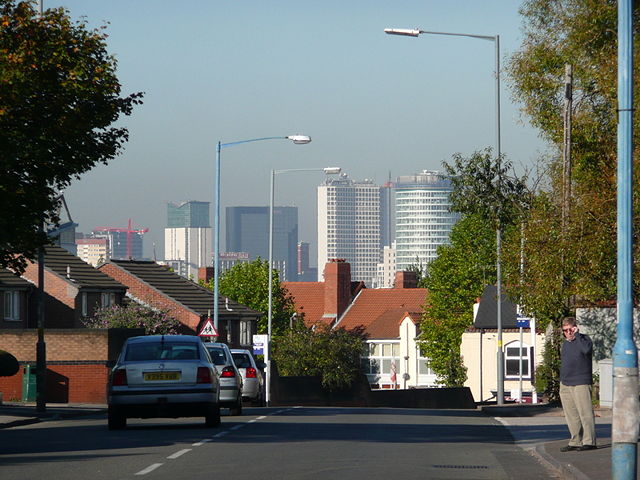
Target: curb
18 423
566 469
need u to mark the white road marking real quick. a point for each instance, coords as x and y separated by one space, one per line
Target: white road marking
261 417
253 420
201 442
221 434
179 453
236 427
149 469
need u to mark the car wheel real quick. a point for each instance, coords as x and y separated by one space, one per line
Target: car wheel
212 418
115 420
237 408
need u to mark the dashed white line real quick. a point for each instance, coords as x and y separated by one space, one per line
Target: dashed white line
236 427
261 417
221 434
201 442
179 453
149 469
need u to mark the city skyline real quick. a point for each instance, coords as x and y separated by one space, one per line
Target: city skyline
374 105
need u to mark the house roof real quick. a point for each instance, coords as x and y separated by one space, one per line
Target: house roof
77 272
180 289
487 316
8 279
309 300
381 310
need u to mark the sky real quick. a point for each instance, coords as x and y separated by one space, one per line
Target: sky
229 70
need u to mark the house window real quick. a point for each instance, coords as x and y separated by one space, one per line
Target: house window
107 299
245 332
378 364
513 351
12 306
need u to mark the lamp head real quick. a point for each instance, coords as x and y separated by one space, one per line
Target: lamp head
408 32
299 139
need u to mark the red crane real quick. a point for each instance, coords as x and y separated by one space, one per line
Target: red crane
129 231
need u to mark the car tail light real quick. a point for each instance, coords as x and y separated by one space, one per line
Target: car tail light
119 378
228 372
251 372
204 375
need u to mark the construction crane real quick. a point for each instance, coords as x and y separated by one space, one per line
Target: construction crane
129 231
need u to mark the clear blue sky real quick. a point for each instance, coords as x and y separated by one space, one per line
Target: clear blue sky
225 70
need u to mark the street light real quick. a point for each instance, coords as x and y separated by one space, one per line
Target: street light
298 140
327 171
496 40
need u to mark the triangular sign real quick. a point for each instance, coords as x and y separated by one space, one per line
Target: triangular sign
208 330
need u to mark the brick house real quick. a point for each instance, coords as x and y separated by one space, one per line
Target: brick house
390 318
73 289
15 294
157 286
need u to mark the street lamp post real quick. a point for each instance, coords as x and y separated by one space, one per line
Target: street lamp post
327 171
496 40
298 140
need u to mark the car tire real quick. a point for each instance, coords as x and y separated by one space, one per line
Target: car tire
237 408
115 419
212 418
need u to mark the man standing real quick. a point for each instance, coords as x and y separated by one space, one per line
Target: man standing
575 387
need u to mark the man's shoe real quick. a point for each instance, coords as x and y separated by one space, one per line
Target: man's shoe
586 447
569 448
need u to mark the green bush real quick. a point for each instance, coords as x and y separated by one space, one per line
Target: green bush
547 377
9 365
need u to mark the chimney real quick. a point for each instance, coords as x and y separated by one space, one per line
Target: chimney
205 274
406 280
337 287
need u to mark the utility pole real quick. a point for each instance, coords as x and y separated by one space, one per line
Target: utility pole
566 153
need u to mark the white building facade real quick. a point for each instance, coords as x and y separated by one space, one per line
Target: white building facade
349 225
187 249
387 269
423 217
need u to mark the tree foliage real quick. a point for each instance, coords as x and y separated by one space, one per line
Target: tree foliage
454 280
59 96
133 315
9 365
248 283
571 259
332 354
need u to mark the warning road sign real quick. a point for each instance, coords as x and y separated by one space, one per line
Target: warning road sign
208 330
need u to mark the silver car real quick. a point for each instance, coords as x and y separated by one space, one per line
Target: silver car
165 376
252 379
230 378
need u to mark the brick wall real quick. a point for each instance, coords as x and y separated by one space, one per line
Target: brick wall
151 296
60 300
78 361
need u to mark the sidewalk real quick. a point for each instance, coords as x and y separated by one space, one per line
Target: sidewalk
542 430
13 414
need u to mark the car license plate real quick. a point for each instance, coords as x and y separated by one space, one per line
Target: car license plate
154 376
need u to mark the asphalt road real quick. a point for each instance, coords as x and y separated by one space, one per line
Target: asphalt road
270 443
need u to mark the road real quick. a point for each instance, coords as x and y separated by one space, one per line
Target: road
272 443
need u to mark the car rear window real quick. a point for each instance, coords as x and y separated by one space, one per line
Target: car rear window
217 355
241 360
162 351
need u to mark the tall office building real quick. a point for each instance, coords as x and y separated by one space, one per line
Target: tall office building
247 230
349 226
188 238
423 217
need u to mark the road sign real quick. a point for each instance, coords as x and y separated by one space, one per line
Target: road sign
522 322
208 330
259 344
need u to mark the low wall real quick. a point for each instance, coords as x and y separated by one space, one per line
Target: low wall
78 363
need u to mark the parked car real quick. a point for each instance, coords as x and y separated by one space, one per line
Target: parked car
230 378
165 376
252 379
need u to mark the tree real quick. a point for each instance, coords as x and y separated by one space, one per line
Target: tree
332 354
133 315
248 283
9 365
455 279
59 96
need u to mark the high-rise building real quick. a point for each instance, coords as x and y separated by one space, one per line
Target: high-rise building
93 250
247 230
188 238
123 243
349 225
306 273
387 269
423 217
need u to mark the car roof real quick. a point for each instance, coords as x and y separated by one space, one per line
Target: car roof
167 338
240 350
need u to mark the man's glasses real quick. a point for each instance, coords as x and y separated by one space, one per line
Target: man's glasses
565 330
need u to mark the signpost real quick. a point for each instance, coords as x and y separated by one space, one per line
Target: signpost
208 330
522 322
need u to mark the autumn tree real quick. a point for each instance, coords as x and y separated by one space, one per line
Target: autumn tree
134 315
59 97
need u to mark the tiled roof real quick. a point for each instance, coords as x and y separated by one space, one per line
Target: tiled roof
77 272
8 279
487 316
309 299
380 310
186 292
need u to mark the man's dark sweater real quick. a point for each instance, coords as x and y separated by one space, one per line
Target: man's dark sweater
575 368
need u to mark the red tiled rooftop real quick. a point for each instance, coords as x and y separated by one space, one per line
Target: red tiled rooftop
309 299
